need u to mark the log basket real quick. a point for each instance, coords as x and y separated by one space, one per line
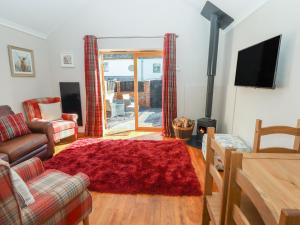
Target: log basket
184 134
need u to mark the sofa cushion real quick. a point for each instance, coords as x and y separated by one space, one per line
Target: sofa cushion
12 126
21 146
44 183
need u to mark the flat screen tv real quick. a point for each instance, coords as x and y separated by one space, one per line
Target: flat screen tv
256 65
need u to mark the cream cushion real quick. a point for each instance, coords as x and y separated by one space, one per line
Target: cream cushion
51 111
25 197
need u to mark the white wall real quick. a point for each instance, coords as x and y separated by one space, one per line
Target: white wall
14 90
134 17
279 106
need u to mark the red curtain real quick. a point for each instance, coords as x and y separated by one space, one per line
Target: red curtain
169 99
93 126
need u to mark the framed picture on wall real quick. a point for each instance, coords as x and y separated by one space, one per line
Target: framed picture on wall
156 68
21 62
67 59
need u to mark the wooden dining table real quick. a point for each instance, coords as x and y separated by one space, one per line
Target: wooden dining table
276 177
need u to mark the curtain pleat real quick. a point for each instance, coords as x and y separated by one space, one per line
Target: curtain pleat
169 99
93 126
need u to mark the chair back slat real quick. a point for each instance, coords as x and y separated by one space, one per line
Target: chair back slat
280 130
216 176
249 189
239 217
262 131
277 150
297 139
218 149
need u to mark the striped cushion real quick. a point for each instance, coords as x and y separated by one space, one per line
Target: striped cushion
12 126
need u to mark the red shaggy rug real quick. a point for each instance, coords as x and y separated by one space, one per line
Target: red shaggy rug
130 166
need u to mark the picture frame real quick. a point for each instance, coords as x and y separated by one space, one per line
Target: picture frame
156 68
67 59
21 61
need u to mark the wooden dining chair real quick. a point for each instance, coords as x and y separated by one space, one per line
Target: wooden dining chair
262 131
239 188
214 203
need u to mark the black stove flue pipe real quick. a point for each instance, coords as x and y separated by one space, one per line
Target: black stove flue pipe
218 19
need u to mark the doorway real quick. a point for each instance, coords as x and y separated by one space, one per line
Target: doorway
132 90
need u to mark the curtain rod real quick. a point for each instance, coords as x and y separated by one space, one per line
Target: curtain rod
130 37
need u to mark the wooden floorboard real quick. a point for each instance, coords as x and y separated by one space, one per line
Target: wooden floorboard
122 209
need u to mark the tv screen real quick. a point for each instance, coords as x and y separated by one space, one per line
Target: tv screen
256 65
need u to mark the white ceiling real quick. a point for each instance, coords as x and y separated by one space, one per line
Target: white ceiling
41 17
38 17
239 9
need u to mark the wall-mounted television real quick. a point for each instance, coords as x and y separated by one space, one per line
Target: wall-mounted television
256 65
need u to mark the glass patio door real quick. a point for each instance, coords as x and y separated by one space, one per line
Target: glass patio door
149 90
118 79
132 90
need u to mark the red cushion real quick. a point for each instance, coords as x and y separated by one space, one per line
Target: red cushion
12 126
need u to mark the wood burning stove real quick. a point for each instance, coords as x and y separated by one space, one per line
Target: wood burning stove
218 20
203 124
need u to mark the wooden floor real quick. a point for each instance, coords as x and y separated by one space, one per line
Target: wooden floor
117 209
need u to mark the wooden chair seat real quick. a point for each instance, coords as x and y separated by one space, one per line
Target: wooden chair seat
214 206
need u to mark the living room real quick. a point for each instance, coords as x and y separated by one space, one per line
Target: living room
90 146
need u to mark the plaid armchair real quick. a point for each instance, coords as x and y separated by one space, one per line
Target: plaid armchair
63 128
59 198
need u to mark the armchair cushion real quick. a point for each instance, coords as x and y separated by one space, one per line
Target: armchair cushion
51 111
12 126
24 196
61 125
21 146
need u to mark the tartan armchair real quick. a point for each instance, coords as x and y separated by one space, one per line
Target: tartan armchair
63 128
59 198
